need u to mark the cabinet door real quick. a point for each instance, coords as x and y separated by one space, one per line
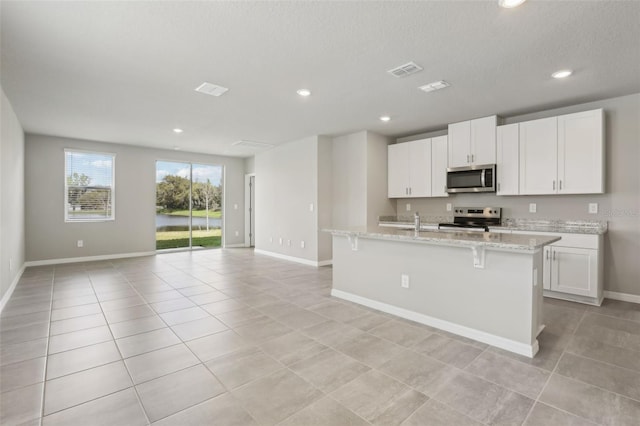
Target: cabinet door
581 153
398 170
546 268
508 159
420 168
538 156
460 144
483 140
574 271
439 158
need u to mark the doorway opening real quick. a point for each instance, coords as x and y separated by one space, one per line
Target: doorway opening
188 205
250 214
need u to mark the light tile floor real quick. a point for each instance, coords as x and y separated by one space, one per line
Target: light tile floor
229 337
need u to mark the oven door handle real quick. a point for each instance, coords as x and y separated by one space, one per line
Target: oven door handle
482 178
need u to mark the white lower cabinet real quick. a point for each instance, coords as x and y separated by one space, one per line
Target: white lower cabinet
572 268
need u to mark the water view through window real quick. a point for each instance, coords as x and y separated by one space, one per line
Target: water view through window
188 205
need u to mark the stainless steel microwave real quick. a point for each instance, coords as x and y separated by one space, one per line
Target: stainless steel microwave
480 178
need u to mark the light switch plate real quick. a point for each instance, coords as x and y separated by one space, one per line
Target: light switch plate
533 207
311 207
593 208
404 281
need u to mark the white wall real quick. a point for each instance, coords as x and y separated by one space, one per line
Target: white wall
12 226
250 165
620 205
325 197
360 179
49 237
287 177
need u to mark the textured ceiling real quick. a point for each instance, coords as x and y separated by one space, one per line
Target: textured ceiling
126 72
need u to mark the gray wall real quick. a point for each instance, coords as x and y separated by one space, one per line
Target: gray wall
133 231
287 177
250 165
325 197
12 227
620 205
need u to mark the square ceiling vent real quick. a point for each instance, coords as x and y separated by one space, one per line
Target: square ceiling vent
211 89
405 70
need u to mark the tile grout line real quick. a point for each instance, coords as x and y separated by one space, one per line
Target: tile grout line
46 353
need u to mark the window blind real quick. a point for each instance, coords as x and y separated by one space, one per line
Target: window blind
89 186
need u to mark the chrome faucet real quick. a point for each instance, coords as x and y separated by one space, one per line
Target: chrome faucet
416 221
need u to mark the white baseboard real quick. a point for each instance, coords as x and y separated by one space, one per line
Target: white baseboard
471 333
235 245
88 258
624 297
12 287
293 258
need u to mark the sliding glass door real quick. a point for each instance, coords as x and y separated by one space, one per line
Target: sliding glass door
188 205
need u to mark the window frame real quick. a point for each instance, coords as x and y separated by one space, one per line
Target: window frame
111 218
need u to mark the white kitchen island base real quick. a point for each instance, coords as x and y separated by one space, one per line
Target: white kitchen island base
497 301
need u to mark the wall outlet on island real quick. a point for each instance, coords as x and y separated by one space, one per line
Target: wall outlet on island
237 233
408 207
593 208
302 244
404 280
533 207
80 243
448 207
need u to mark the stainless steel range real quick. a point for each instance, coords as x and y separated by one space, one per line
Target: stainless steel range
474 218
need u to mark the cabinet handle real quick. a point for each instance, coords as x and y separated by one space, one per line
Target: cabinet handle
560 184
554 255
548 254
406 191
554 185
467 158
472 157
409 190
498 186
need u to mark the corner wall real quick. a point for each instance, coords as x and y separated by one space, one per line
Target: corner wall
48 237
12 201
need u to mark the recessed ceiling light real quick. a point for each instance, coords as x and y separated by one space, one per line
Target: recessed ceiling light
176 130
304 92
436 85
177 148
508 4
562 74
385 118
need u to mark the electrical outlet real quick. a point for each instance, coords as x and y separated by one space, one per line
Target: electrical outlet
289 243
302 244
80 243
408 207
271 240
280 240
237 233
10 264
404 281
533 208
593 208
448 207
235 207
311 207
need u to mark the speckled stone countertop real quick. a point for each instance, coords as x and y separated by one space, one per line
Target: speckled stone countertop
510 224
515 242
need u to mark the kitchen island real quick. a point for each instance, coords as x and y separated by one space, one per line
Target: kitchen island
481 285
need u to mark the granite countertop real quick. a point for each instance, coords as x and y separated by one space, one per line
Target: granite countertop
492 240
510 224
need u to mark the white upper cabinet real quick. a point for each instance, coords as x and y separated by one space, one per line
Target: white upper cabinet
562 155
398 170
418 168
439 158
409 169
538 153
473 142
508 159
581 153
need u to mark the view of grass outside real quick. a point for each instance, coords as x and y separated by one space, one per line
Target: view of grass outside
196 213
177 239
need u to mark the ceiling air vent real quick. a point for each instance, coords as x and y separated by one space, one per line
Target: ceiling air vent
211 89
252 144
405 70
436 85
